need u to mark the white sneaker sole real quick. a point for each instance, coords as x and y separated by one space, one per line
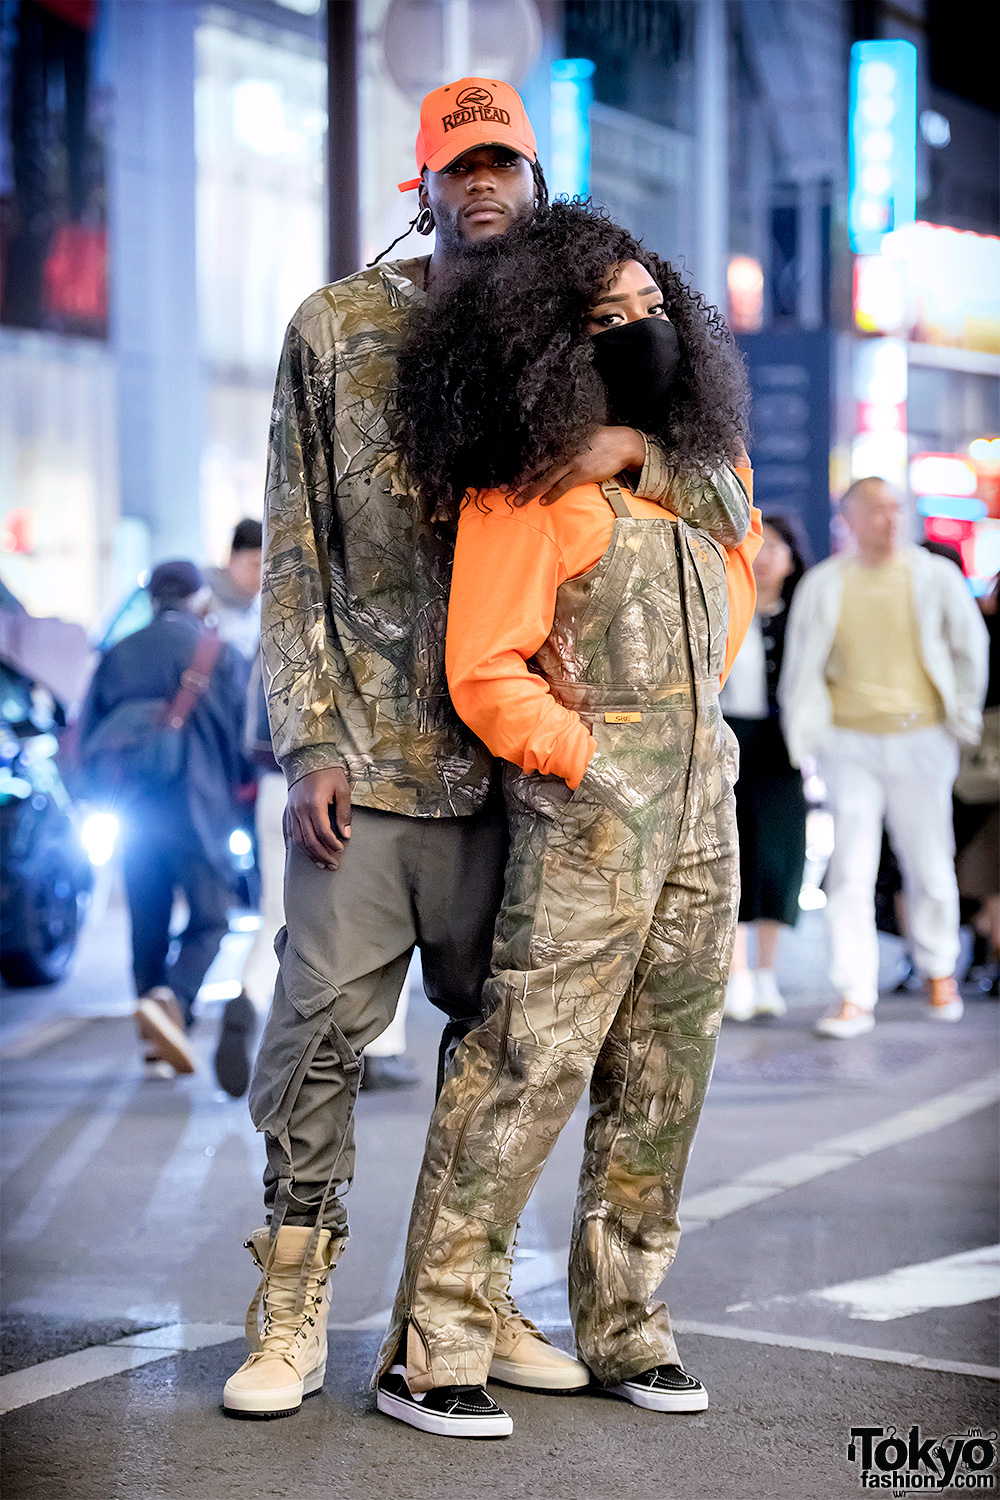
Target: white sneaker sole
156 1027
846 1034
661 1400
953 1011
279 1401
441 1425
574 1376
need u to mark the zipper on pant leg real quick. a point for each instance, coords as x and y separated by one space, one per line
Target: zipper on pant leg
450 1174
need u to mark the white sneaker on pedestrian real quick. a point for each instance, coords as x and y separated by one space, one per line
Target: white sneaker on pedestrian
846 1023
156 1068
944 1003
740 998
768 999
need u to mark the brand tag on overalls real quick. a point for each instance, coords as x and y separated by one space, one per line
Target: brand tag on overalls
623 718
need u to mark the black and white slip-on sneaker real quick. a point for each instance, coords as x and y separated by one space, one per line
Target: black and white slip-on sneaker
448 1410
664 1388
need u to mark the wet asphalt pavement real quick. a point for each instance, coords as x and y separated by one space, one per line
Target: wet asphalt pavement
840 1213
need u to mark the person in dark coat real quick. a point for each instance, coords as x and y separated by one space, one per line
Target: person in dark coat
770 802
175 835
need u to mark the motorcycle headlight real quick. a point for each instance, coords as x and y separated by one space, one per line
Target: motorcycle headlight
99 835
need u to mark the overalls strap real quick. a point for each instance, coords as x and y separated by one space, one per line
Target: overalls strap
613 495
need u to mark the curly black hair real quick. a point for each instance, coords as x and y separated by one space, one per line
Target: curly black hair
496 375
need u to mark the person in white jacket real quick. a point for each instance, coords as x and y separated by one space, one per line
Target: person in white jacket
884 676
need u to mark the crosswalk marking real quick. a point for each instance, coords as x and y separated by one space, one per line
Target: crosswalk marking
778 1176
952 1281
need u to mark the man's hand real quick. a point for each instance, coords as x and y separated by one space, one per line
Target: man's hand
609 450
318 816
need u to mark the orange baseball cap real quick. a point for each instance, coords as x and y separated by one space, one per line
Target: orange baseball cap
471 112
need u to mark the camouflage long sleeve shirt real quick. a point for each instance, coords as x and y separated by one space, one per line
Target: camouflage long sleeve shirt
355 583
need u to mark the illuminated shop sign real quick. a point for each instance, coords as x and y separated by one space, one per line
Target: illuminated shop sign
883 142
933 284
572 93
880 387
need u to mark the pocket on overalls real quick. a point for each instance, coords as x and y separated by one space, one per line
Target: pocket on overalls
301 1016
529 791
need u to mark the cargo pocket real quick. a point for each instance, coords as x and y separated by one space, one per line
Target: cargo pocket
300 1018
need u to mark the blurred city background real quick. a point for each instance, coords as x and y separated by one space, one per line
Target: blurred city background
175 177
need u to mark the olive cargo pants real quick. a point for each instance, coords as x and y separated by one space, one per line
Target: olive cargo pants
344 952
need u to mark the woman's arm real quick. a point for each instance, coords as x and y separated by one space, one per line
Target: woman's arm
718 504
503 592
741 585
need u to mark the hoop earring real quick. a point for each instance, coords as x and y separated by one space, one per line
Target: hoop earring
425 221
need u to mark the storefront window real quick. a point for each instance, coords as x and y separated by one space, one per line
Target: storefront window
260 125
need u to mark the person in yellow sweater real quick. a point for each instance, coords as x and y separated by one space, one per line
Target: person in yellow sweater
586 643
883 679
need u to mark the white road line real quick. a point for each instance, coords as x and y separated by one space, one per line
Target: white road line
831 1346
70 1168
535 1270
776 1177
56 1376
34 1036
952 1281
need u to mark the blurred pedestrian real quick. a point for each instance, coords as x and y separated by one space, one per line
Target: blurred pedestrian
235 601
885 670
770 802
977 815
161 735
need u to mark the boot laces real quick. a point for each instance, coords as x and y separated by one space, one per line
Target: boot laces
508 1313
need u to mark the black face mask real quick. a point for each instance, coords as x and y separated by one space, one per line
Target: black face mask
638 364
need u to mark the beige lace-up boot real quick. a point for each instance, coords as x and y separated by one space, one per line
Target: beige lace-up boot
288 1359
522 1355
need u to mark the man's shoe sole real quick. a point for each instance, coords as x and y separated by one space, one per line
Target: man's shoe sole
441 1425
531 1378
232 1055
682 1401
156 1027
269 1403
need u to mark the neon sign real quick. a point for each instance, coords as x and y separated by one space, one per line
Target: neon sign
882 191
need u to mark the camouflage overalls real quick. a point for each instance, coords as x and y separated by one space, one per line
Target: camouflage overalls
610 962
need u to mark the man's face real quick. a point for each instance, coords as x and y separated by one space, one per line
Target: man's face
244 570
874 515
478 196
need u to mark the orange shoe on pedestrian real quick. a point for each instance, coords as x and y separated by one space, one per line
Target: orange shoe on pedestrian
160 1023
944 1003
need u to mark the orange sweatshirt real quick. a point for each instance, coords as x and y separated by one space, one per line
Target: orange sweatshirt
508 565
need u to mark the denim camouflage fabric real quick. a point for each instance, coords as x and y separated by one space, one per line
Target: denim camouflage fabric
610 962
355 583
